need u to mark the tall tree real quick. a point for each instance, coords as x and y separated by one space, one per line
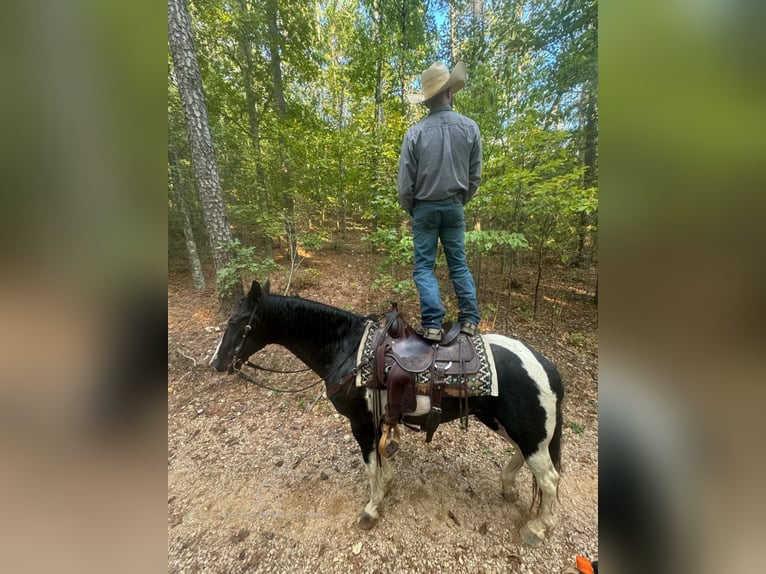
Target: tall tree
380 119
198 278
275 51
247 66
203 155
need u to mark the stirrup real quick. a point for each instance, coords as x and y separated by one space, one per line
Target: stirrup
389 441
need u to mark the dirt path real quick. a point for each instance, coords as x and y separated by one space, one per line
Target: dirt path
258 484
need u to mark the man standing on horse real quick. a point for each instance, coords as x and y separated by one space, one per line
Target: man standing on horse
439 172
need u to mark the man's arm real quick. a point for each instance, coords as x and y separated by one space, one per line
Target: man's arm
408 170
474 167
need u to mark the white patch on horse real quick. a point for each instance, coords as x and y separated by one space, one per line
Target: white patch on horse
215 354
423 403
380 482
536 372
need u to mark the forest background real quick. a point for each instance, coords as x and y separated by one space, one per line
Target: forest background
307 106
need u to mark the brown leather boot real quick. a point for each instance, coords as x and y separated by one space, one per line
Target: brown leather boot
430 333
469 329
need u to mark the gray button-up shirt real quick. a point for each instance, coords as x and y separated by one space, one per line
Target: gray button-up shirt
440 158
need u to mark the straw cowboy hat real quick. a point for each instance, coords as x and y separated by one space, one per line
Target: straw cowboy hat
436 79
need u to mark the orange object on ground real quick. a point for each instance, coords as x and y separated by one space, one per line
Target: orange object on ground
584 565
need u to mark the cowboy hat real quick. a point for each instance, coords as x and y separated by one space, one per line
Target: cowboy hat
438 78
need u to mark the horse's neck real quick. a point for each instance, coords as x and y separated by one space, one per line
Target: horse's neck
320 336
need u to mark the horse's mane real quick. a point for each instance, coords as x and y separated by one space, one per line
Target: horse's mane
311 315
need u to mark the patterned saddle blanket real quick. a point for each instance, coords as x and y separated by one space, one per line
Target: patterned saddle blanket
397 360
462 365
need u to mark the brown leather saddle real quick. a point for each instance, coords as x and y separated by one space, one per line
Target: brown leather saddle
406 365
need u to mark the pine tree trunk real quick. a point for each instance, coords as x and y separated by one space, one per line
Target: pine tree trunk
203 157
198 278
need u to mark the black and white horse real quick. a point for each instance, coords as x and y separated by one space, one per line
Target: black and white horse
527 412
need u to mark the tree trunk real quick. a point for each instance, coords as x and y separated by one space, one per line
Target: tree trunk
379 166
203 156
341 167
590 159
452 31
540 250
405 49
248 77
288 201
198 278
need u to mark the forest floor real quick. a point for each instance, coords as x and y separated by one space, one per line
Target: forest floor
266 482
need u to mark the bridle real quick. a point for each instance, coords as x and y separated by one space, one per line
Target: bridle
238 362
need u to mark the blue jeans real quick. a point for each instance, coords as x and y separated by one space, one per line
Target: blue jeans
433 221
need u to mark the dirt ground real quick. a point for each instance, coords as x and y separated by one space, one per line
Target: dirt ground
264 482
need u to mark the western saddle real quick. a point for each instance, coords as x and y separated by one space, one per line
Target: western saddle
406 365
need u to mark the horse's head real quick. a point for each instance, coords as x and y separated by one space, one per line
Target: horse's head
244 333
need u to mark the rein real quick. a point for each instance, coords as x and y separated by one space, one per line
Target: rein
236 361
250 379
344 380
268 370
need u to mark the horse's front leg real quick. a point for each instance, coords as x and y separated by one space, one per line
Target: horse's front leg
381 475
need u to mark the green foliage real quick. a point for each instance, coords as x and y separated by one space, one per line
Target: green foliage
243 262
485 241
576 338
310 241
247 216
397 251
488 312
395 244
305 278
576 428
405 289
346 66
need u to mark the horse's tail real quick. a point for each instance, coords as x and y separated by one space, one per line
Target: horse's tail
554 450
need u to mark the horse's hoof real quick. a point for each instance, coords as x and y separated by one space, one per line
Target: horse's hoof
530 537
511 497
366 522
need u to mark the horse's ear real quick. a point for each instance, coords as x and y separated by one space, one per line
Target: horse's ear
255 292
267 286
